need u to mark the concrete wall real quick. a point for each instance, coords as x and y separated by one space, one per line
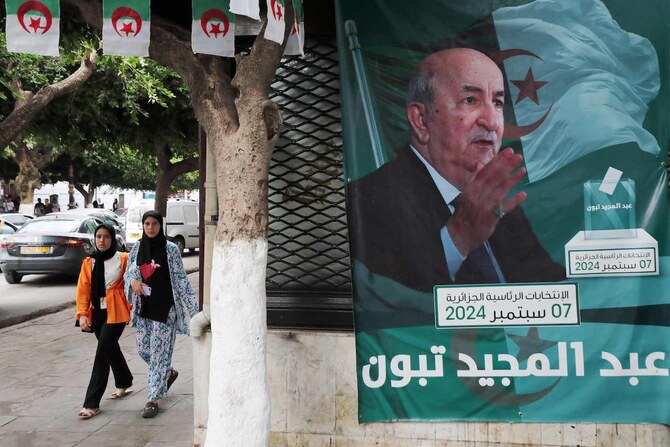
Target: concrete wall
312 379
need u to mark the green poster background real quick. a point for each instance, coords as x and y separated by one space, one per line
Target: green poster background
619 315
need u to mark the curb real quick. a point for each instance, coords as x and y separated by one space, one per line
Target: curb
18 319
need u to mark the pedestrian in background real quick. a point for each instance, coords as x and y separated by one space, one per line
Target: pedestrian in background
102 308
39 209
163 305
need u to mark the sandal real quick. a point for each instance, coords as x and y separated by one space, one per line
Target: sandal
150 410
173 376
88 413
120 393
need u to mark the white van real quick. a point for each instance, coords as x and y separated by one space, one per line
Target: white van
181 222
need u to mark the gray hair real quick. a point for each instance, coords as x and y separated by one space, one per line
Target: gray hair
421 89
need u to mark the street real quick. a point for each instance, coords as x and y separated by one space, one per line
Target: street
39 294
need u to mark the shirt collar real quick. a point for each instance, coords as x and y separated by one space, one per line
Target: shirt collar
448 191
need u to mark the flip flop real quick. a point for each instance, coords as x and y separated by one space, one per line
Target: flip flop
88 413
120 393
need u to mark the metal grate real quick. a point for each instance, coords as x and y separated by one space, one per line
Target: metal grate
308 242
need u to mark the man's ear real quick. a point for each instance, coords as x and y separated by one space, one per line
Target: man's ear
416 116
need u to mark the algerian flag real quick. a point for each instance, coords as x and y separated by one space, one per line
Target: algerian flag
213 28
247 8
33 26
296 39
274 30
125 27
579 82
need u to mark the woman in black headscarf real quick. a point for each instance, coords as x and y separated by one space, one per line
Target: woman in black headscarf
163 304
102 308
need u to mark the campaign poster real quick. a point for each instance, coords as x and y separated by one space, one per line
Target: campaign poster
507 199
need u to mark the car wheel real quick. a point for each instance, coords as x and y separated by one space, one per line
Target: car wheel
179 242
13 277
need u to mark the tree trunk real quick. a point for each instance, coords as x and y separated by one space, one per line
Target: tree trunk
163 182
30 161
166 173
87 193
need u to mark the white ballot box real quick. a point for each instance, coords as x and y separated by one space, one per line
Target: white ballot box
603 256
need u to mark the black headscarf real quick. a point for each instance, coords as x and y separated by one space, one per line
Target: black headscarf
98 288
154 248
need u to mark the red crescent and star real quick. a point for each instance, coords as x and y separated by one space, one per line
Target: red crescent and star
214 18
277 9
126 13
528 88
35 22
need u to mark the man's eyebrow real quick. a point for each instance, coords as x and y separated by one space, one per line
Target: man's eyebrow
475 89
472 89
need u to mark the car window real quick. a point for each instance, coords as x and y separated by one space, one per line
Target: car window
90 225
6 229
16 219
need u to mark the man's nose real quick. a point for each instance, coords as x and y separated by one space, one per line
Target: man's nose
490 117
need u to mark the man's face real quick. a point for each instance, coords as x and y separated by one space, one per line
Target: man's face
466 126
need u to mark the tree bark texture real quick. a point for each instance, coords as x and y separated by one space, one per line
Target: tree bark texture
30 162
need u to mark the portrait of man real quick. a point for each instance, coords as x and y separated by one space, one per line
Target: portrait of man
442 211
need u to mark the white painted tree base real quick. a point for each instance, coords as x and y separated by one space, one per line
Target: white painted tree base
239 401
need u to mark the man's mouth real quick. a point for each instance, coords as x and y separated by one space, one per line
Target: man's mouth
487 141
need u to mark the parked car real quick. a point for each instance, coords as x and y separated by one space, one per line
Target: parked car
17 219
53 244
106 216
181 222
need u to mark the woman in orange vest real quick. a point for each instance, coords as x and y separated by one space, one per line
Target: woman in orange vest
102 308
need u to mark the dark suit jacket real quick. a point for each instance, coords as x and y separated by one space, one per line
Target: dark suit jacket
395 217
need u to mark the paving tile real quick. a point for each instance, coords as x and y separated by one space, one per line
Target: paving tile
40 439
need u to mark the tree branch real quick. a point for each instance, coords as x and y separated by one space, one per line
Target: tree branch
27 107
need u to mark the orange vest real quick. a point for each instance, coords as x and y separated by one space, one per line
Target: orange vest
118 309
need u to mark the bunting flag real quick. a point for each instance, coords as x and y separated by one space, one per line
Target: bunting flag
274 31
125 28
33 26
296 39
213 28
247 8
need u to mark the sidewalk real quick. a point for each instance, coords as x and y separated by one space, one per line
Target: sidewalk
45 365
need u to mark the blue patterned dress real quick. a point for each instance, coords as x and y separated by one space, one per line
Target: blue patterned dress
155 340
